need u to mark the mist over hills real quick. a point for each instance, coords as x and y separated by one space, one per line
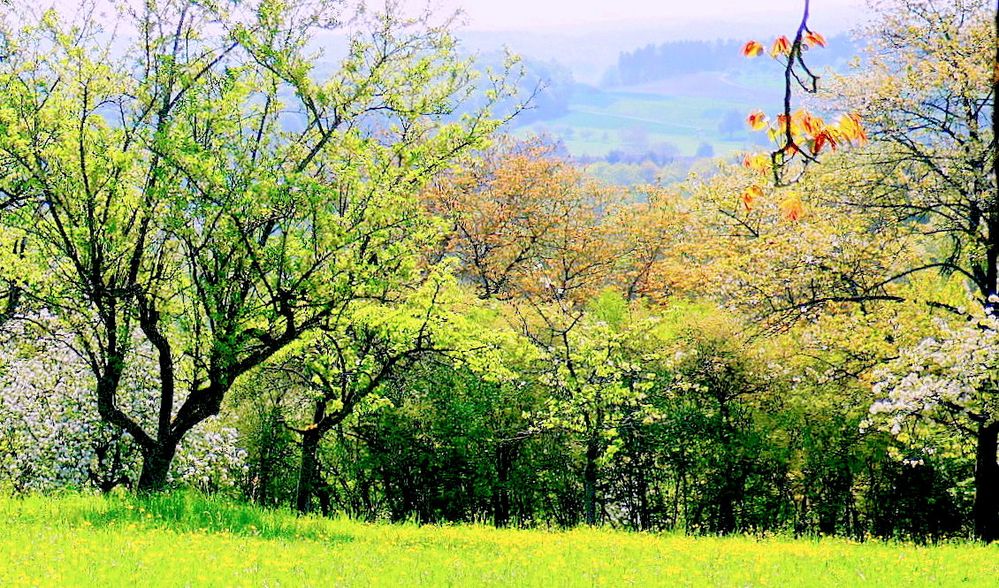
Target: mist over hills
643 100
640 102
588 50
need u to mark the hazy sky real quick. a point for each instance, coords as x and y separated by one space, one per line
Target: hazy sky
534 14
527 15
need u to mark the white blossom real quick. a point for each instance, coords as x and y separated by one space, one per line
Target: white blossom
51 435
946 382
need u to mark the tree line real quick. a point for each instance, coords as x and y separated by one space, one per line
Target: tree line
653 63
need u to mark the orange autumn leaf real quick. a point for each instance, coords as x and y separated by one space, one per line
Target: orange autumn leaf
781 123
813 39
758 162
812 125
750 195
821 140
752 49
757 120
852 130
781 46
792 208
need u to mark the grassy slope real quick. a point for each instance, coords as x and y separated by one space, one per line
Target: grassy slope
180 540
683 110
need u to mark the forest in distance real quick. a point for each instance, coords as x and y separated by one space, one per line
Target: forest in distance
367 289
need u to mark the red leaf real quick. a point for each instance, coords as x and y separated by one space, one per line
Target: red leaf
813 39
781 46
757 120
752 49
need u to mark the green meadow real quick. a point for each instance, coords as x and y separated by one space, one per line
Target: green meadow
186 539
683 111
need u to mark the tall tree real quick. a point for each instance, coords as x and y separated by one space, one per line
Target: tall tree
506 206
532 230
208 191
927 92
353 356
921 197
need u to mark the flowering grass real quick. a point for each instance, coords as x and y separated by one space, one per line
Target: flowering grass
188 540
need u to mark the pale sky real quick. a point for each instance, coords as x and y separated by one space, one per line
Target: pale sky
533 15
547 14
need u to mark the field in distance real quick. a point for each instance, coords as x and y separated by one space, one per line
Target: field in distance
695 115
189 540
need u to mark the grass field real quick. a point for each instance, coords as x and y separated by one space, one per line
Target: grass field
187 540
684 111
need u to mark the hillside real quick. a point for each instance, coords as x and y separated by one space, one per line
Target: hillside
658 103
673 117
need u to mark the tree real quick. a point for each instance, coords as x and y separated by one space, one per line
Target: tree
51 435
441 443
924 190
207 187
928 93
599 365
532 230
349 360
506 206
941 394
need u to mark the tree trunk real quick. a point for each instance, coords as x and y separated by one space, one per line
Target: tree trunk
590 481
308 471
726 509
987 483
156 462
501 497
644 508
992 249
263 477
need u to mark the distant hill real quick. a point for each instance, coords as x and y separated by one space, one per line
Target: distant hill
590 51
670 104
634 95
668 60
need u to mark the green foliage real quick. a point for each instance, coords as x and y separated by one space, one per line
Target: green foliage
167 199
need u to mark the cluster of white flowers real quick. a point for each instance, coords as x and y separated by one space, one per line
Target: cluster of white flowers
946 378
210 458
51 435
